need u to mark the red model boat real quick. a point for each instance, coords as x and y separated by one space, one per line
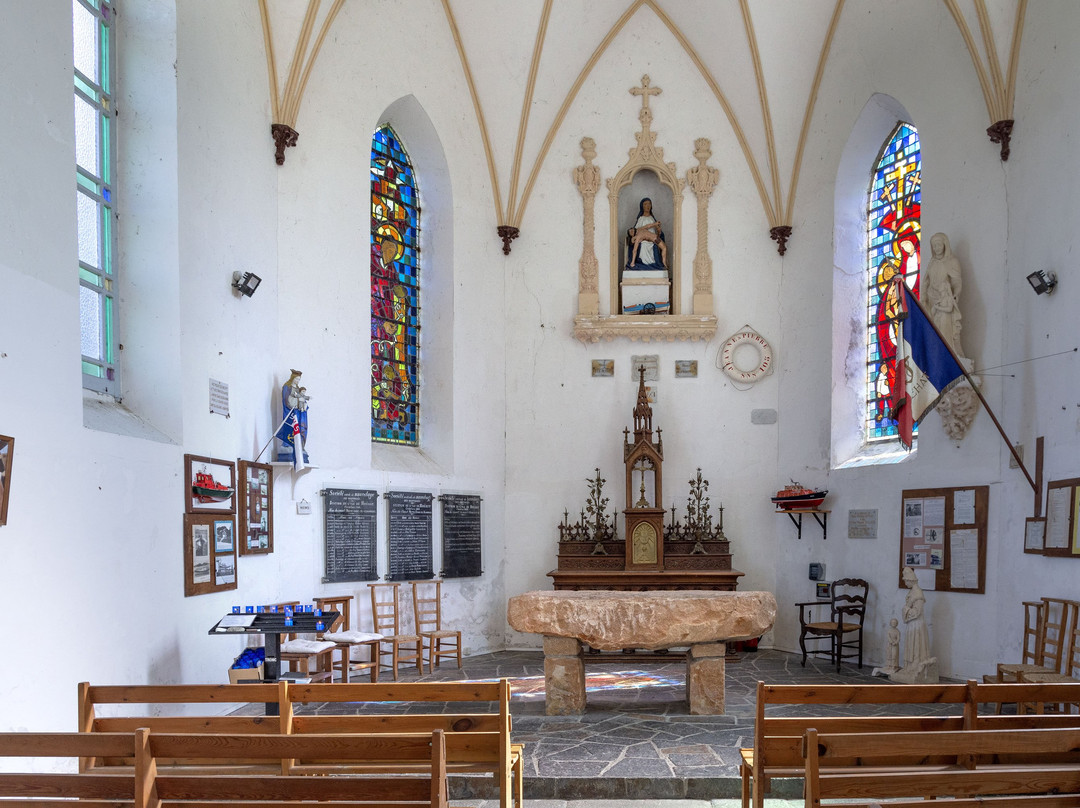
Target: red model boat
207 489
796 497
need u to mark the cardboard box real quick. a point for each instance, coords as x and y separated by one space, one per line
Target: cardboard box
238 675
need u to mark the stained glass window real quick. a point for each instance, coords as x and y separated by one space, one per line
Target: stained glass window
894 235
95 136
395 293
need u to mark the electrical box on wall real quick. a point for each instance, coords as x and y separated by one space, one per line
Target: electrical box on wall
817 572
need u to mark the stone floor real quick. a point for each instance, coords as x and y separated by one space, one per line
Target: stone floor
636 740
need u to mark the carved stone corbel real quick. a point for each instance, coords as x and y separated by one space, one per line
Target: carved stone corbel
587 179
702 180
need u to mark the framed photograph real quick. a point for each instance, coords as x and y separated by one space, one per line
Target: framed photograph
207 566
209 485
7 449
254 507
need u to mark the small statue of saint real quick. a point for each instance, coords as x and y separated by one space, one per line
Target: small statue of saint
293 431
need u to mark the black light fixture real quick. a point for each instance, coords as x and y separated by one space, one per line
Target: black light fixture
1042 282
245 283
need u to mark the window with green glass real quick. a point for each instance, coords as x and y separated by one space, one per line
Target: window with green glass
894 237
395 293
95 145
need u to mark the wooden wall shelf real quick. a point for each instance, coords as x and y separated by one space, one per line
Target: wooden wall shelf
820 516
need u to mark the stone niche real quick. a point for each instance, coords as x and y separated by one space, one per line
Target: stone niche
646 304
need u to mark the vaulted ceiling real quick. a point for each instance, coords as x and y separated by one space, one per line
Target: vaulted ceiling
762 60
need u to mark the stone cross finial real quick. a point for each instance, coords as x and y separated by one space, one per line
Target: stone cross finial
645 116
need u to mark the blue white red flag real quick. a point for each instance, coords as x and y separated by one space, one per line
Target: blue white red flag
289 435
925 367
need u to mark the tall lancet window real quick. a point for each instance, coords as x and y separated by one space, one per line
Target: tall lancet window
395 293
893 247
95 155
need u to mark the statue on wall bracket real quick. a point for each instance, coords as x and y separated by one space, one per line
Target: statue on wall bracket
645 210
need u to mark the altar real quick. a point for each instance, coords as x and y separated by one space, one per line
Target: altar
704 621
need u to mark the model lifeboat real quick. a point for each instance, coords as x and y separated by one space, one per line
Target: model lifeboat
207 489
796 497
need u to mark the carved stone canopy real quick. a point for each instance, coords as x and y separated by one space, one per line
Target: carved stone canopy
646 160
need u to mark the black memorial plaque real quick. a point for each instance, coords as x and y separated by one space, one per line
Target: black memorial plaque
460 535
409 528
351 520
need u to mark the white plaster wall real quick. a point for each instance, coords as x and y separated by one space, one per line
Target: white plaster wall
95 518
93 538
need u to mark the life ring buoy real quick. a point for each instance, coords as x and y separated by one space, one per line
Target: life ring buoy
746 336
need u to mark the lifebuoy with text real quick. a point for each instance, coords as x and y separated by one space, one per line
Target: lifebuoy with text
746 336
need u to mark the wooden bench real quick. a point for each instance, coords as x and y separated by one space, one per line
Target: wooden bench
148 784
489 752
1024 767
57 788
777 750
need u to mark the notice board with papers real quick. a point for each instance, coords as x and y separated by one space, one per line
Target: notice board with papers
943 537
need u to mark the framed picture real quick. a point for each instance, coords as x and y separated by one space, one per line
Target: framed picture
209 553
209 485
254 507
7 449
1034 534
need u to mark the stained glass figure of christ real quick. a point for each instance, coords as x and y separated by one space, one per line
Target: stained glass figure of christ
893 247
395 292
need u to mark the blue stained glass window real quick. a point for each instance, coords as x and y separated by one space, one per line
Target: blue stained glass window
894 237
395 293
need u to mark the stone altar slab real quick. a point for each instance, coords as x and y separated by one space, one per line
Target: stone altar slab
703 620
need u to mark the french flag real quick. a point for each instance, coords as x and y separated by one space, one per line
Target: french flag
926 369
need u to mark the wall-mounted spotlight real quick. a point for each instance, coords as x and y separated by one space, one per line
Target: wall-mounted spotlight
245 283
1042 282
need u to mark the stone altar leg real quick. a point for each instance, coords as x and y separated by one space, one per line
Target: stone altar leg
705 678
564 676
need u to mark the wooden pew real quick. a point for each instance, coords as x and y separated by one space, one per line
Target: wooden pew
485 713
490 751
425 786
141 706
1020 767
56 789
777 749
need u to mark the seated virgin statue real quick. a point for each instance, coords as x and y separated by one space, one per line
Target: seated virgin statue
646 247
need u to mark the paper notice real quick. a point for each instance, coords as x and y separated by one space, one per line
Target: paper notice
913 518
1058 502
964 559
964 507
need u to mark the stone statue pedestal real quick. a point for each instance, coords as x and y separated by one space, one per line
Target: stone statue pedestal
918 673
611 621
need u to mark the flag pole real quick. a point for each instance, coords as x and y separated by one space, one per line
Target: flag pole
274 434
975 388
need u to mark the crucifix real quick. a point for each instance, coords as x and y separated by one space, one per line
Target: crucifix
645 116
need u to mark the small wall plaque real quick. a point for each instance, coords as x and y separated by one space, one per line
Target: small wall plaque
685 368
862 524
652 367
603 368
219 397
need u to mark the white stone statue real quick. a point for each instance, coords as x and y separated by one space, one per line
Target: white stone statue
920 667
942 288
892 651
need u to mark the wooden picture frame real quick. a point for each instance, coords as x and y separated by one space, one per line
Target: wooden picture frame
7 451
1061 522
209 553
1035 535
255 507
221 477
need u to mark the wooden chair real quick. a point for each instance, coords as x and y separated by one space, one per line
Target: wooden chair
300 653
844 628
427 608
384 615
342 634
1071 673
1048 628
